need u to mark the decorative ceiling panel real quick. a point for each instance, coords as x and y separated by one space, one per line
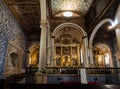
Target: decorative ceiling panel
73 32
79 6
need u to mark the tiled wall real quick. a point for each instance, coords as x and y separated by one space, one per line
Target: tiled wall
12 39
104 79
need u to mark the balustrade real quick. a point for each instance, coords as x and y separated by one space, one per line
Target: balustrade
76 70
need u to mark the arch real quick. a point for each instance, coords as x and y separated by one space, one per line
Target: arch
81 35
106 52
70 25
96 29
33 56
33 46
93 35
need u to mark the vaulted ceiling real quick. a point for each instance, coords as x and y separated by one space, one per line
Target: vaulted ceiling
27 12
78 7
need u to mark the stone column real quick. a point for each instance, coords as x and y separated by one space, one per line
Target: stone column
48 46
118 37
71 56
118 43
85 50
81 56
91 56
78 54
52 51
41 77
29 58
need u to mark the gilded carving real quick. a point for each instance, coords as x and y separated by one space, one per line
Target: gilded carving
67 40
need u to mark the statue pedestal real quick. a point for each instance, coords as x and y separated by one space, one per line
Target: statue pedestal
41 78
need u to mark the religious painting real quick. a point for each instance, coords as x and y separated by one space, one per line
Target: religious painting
66 50
74 50
74 62
58 51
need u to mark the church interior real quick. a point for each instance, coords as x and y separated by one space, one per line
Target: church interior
60 41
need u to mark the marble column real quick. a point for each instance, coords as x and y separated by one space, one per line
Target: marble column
41 78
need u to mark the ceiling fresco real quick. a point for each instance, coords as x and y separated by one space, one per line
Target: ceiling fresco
78 6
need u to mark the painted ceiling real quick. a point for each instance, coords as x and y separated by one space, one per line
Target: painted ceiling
27 12
78 6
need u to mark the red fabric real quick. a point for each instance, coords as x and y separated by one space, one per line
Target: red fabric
70 83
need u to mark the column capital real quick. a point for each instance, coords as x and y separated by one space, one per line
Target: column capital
84 37
43 23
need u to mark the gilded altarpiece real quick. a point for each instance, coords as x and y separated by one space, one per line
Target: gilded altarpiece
66 54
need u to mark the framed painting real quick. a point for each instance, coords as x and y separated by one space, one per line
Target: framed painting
58 50
66 50
74 50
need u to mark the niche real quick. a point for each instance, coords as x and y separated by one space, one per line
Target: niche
14 59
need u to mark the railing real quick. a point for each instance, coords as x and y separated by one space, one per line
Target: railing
75 70
105 71
63 70
101 75
31 70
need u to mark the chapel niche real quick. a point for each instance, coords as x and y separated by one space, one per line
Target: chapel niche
14 59
34 55
102 56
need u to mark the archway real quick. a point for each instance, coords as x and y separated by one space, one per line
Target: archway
102 55
34 55
70 45
93 35
14 59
